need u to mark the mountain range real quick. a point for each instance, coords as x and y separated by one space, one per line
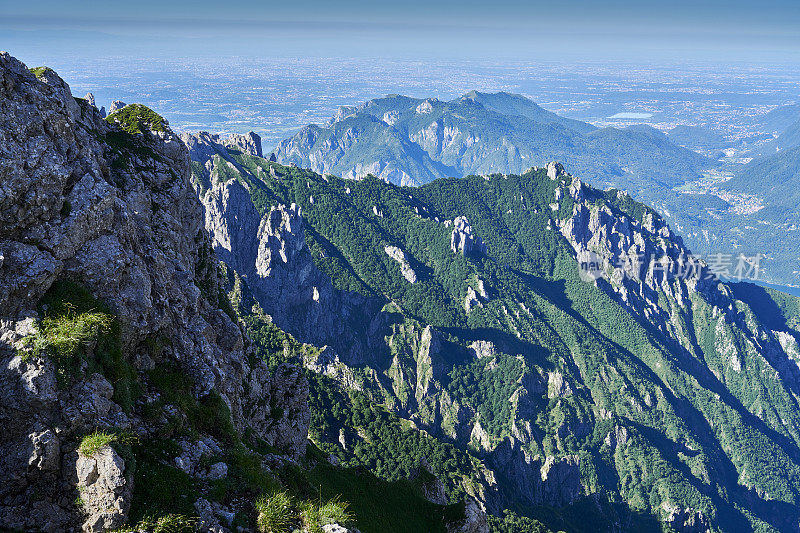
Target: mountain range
636 398
194 337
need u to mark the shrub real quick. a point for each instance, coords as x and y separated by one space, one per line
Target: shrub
274 513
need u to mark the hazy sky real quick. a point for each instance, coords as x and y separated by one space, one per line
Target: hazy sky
728 29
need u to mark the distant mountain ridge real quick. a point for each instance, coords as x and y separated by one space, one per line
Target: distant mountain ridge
777 120
788 138
776 180
412 141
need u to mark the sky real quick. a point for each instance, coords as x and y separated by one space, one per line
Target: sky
610 29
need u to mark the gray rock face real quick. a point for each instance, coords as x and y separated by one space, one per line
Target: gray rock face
342 113
116 105
463 240
105 493
202 145
431 487
132 235
208 519
554 169
561 480
288 428
471 300
474 521
270 252
684 520
90 98
537 481
249 143
405 269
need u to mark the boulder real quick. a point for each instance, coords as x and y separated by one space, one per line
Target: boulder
105 493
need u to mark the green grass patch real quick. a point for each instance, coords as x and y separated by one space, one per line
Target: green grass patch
169 523
278 511
245 476
159 488
274 513
93 442
137 118
81 336
317 514
39 72
372 504
205 415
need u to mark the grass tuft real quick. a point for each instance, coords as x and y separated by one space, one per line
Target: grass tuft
315 515
93 442
274 513
169 523
81 336
64 332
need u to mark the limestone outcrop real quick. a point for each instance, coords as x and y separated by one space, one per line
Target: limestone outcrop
116 105
269 251
463 240
249 143
405 268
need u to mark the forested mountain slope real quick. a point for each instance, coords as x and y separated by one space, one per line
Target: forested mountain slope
455 313
775 180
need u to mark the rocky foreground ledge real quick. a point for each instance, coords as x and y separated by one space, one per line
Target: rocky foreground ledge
117 343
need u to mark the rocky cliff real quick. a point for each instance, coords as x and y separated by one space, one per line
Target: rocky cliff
114 334
269 250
